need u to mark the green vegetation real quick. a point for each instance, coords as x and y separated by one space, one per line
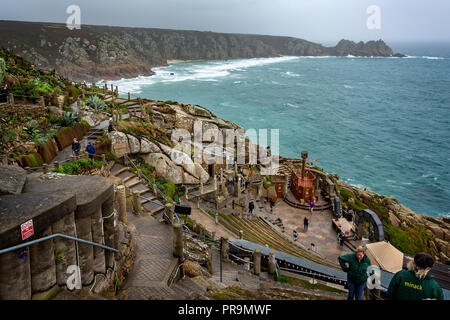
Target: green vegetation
410 239
68 119
307 285
230 293
79 166
96 102
2 69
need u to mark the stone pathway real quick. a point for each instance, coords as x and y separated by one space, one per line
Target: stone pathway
154 261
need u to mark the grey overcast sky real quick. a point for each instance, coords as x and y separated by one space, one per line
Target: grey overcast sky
324 21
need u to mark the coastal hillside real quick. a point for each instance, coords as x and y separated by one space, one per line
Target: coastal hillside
32 134
101 52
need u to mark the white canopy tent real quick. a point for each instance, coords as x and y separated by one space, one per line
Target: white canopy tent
385 255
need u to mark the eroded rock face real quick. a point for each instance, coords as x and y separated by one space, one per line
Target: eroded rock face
135 145
119 140
12 179
92 118
192 169
164 167
149 147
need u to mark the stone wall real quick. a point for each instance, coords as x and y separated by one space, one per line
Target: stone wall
79 206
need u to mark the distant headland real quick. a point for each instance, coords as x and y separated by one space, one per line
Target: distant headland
101 52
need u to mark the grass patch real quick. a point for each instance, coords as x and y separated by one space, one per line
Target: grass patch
305 284
79 166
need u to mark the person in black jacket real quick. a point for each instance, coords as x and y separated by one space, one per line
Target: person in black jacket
4 94
76 147
251 206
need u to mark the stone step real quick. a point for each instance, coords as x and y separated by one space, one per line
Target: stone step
124 174
139 187
148 195
153 208
193 285
131 181
118 169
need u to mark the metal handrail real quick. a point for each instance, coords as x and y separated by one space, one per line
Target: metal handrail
176 273
55 235
152 201
141 175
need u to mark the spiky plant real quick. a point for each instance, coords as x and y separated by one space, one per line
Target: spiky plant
94 101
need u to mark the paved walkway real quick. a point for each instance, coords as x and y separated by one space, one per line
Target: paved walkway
320 231
154 261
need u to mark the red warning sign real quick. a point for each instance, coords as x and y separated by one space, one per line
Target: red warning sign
27 229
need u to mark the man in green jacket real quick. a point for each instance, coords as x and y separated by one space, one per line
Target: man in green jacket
415 283
355 264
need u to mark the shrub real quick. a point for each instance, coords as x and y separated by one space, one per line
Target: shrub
2 69
79 166
68 119
93 101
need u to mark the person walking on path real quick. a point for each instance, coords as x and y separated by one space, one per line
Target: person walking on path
341 238
272 204
415 283
76 147
355 264
311 206
305 224
90 149
251 206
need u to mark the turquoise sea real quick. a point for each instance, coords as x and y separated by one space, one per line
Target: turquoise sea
380 123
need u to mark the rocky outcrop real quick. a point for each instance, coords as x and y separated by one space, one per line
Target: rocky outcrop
436 230
135 145
118 52
368 49
148 146
12 179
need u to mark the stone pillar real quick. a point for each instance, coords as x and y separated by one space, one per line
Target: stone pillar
85 251
129 96
169 211
239 188
97 236
112 89
217 218
108 217
247 263
178 241
15 277
42 101
137 203
42 263
225 247
65 248
257 262
122 204
271 263
11 99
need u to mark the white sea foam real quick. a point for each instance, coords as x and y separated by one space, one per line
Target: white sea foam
208 71
291 74
292 105
424 57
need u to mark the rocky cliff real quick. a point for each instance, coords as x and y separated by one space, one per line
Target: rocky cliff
99 52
